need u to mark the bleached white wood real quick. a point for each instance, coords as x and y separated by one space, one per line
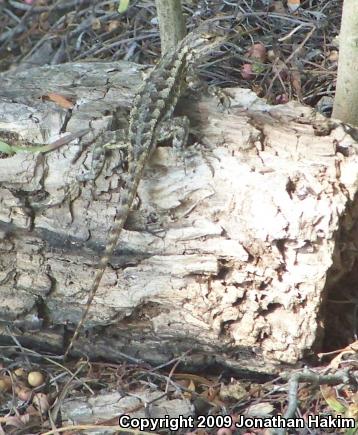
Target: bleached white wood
228 251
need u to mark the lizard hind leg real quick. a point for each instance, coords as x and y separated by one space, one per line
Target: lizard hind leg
108 140
198 87
180 132
176 129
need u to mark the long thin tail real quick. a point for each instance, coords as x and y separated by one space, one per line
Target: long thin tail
122 213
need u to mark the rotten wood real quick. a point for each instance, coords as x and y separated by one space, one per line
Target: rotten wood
229 252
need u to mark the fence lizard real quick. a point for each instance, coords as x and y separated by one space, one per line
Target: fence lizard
152 111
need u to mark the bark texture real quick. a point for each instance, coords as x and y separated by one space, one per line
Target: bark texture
230 252
345 105
171 23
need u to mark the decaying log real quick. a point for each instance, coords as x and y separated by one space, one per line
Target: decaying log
229 252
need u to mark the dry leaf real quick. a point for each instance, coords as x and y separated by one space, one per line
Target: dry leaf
113 25
293 5
257 51
40 401
330 396
22 392
259 409
190 387
235 390
296 82
333 56
211 393
60 100
349 350
247 72
19 372
16 420
5 383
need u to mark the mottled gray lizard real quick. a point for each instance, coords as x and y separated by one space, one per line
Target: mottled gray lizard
152 109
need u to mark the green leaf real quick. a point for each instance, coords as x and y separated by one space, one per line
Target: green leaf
6 148
351 431
13 149
123 6
330 396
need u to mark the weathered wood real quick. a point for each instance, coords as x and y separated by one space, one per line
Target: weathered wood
228 253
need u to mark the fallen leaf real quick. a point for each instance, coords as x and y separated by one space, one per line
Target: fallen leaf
235 390
59 100
247 72
257 51
40 401
296 83
293 5
330 396
16 420
259 409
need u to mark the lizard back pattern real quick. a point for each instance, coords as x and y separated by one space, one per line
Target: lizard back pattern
154 103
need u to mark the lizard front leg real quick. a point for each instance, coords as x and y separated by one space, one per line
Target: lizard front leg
108 140
176 129
198 87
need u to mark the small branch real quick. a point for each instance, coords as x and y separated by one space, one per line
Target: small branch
171 23
314 378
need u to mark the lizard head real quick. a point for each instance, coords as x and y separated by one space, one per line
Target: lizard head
204 38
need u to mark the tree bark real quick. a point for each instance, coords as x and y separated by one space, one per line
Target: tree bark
171 23
345 105
229 253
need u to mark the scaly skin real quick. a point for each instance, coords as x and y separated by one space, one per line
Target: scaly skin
153 104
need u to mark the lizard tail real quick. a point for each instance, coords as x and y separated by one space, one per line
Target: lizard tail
121 216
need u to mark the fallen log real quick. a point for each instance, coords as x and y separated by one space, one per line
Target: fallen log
230 253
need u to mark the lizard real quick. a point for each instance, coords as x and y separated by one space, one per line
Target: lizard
152 110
